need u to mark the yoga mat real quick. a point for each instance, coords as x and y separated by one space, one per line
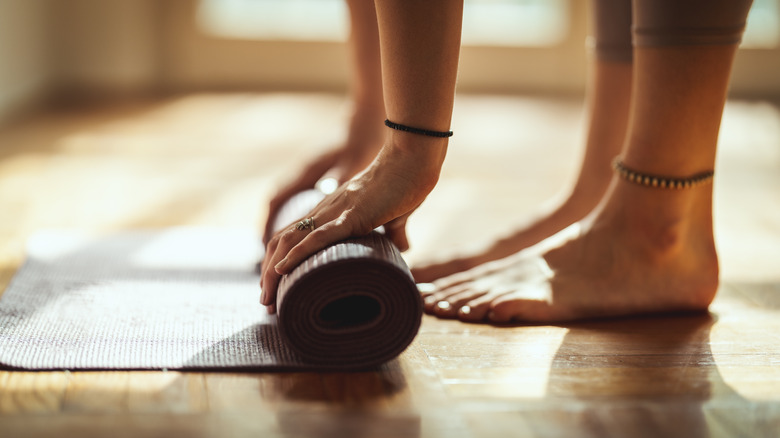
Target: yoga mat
177 298
188 299
353 304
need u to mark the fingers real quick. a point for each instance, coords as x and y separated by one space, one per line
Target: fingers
321 237
306 179
277 249
274 206
268 294
291 247
396 232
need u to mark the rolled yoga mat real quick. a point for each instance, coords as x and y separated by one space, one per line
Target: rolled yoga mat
353 304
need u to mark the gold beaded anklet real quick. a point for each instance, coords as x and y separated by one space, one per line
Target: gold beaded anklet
661 181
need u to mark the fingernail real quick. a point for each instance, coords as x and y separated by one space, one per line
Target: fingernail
262 297
280 265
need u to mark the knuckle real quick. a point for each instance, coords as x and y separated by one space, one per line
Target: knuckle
318 236
356 223
274 242
287 237
290 252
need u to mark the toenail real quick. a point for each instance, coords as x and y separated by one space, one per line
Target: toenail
465 310
426 288
430 300
443 305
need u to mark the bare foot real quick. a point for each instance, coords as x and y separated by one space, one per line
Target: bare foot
619 261
538 229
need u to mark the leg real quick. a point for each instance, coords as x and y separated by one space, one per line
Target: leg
609 96
365 132
644 249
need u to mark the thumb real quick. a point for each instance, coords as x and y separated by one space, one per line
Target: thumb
396 232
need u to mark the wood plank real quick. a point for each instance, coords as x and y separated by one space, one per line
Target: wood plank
166 392
32 392
97 392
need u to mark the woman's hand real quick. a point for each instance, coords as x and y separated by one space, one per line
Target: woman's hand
364 139
393 186
338 164
307 179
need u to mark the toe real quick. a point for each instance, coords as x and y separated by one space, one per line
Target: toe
443 309
426 289
512 308
475 310
431 301
450 307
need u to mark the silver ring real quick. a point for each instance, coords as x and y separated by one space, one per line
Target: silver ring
306 224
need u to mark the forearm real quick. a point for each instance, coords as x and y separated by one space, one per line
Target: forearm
420 44
365 64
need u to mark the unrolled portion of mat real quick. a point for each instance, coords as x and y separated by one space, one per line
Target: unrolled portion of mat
353 304
179 299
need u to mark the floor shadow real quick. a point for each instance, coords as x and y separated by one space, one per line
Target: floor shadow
255 348
352 423
357 404
310 401
649 376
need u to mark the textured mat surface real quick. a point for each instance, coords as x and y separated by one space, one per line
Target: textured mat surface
182 298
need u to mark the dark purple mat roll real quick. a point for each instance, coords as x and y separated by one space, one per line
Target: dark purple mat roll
353 304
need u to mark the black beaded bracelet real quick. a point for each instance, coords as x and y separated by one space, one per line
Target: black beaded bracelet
429 133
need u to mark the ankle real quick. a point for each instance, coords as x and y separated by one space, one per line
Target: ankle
663 224
663 236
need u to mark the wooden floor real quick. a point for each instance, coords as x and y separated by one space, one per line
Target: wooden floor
214 160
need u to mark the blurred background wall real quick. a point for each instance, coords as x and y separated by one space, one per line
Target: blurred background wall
66 50
24 54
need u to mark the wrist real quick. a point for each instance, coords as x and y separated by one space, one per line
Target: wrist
427 144
417 155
